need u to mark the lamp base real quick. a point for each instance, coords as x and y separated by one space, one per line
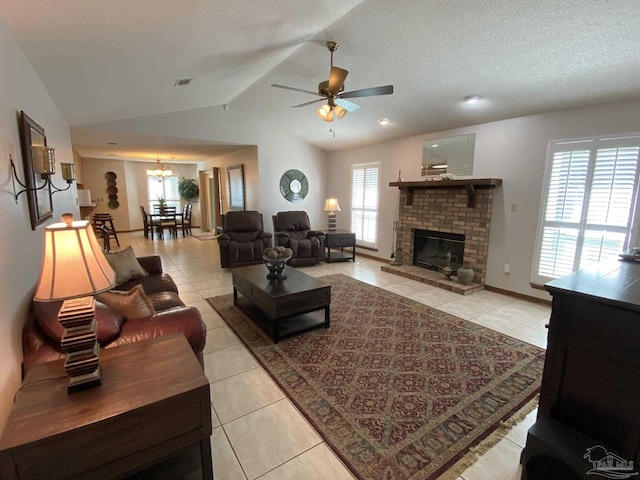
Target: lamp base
83 382
331 221
79 341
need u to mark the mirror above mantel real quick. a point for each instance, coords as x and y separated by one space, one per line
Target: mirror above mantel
448 155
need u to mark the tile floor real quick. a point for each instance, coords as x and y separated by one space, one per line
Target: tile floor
258 433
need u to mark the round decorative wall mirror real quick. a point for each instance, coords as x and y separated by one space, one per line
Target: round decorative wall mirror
294 186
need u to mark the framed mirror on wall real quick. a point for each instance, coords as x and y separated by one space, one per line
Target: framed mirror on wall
235 177
40 204
448 155
294 186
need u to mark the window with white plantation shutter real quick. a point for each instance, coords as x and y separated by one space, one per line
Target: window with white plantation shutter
364 203
590 205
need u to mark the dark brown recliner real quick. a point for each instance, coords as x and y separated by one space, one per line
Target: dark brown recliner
293 230
243 239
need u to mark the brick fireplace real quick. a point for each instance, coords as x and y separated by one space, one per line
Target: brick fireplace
456 206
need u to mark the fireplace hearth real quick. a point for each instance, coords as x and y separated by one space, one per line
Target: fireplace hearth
459 207
434 250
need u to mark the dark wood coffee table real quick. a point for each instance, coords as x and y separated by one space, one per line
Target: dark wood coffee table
283 307
153 404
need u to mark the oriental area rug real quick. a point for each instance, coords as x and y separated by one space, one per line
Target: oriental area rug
397 389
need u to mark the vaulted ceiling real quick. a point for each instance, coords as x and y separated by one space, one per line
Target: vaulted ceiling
118 59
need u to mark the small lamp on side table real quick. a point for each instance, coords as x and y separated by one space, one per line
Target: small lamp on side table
74 269
331 206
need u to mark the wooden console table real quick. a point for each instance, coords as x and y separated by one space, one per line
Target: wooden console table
153 403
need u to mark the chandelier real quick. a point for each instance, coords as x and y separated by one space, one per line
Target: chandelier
160 170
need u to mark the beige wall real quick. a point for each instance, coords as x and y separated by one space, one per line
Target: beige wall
278 153
20 89
132 188
248 157
20 246
513 150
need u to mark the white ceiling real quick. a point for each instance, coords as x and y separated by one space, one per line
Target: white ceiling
117 59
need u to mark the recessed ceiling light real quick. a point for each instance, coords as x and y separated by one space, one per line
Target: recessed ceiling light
435 146
113 143
383 121
472 99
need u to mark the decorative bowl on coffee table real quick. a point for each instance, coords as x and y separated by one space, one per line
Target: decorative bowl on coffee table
275 259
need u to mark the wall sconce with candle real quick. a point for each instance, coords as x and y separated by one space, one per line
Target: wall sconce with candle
39 166
45 166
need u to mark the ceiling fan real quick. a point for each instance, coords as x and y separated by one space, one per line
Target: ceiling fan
332 91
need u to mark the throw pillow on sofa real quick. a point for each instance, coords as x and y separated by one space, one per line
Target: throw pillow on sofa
131 305
126 266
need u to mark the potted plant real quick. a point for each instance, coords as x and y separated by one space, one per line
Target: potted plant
161 201
188 189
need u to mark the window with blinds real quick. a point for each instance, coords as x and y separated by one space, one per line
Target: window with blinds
164 187
590 204
364 203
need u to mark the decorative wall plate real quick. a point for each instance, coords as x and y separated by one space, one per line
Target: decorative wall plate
112 190
294 186
110 176
113 204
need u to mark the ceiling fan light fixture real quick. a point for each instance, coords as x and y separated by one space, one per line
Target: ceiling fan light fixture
325 113
339 111
471 99
332 91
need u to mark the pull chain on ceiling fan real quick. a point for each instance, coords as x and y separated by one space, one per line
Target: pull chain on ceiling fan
332 91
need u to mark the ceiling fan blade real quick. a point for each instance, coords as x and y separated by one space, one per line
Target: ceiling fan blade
336 79
308 103
347 105
295 89
368 92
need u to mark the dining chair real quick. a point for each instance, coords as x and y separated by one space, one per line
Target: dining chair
184 221
148 222
167 219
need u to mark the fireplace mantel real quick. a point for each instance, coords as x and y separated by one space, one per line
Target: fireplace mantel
469 184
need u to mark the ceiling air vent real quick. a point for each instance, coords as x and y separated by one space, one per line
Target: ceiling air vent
183 82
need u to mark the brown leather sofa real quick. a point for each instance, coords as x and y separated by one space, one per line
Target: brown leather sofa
293 230
243 239
42 331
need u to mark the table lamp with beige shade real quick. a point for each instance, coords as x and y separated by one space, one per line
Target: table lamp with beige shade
331 206
74 269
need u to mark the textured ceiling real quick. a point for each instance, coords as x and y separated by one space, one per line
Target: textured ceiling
104 61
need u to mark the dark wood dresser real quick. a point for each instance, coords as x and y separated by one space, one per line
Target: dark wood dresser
590 391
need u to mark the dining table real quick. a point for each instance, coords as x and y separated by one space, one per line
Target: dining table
166 218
